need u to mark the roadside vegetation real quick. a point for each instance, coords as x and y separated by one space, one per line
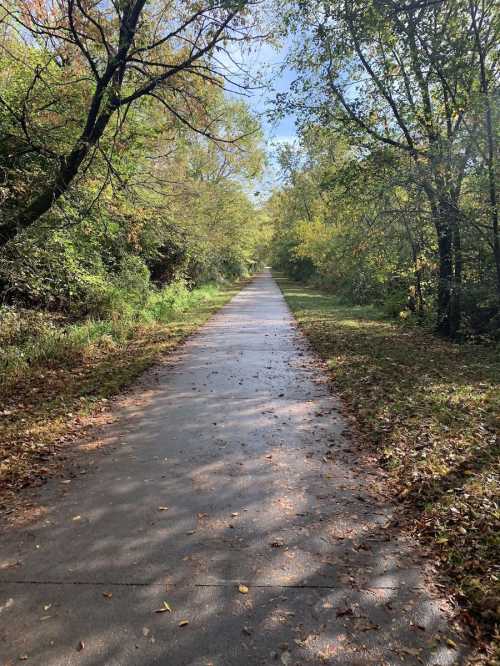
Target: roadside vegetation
56 375
126 210
430 409
386 234
389 191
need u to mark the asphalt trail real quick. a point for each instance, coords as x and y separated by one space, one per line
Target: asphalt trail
231 466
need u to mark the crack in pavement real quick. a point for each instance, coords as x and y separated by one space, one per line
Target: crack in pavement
226 583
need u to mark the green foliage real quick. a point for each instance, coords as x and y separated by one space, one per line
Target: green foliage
156 202
392 188
357 224
177 297
30 339
157 205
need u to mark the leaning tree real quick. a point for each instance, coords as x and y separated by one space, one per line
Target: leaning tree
123 51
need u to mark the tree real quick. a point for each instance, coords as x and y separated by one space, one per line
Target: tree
362 231
159 200
117 54
403 76
485 39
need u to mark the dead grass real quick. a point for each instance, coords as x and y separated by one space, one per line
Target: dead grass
431 409
47 408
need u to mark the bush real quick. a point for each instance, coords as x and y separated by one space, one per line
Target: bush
162 303
481 312
123 295
48 273
17 326
395 304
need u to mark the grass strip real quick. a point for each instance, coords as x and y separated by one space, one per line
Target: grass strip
431 409
72 373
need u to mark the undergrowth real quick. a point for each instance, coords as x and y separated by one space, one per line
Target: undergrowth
30 338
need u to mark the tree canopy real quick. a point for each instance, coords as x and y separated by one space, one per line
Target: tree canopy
397 132
122 151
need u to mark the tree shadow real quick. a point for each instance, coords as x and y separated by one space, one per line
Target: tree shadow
233 468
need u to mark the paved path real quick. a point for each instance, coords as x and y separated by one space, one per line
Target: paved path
242 441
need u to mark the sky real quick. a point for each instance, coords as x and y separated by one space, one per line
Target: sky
268 61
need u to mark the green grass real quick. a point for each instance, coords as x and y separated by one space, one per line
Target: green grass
63 372
431 409
30 339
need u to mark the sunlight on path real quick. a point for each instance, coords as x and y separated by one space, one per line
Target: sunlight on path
233 492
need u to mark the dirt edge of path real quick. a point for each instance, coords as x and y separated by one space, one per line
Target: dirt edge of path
81 433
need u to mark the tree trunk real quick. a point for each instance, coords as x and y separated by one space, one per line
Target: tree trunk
492 182
415 246
449 314
456 296
445 285
67 172
418 289
490 140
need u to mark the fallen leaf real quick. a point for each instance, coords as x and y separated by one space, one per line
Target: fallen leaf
107 595
164 609
414 652
183 623
163 508
80 646
243 589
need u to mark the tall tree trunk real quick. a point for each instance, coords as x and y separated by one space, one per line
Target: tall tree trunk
490 140
445 285
492 182
449 313
456 296
415 246
418 288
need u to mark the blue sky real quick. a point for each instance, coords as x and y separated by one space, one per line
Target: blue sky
267 61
